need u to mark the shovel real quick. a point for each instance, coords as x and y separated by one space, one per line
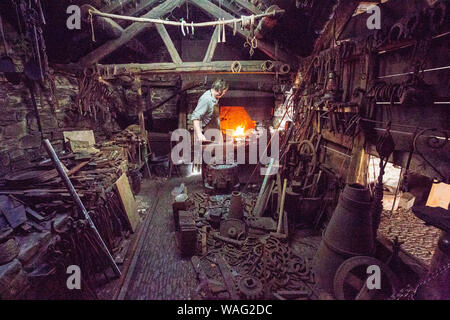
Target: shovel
6 63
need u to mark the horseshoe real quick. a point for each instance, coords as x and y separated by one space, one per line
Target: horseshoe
236 67
396 33
411 24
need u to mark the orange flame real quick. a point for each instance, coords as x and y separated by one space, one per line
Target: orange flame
239 132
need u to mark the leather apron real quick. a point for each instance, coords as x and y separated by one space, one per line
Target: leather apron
214 123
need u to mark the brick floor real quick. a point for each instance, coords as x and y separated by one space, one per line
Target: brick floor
160 273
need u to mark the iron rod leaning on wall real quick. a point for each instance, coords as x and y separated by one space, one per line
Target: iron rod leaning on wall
65 178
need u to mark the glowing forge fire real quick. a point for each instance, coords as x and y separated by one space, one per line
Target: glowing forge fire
239 132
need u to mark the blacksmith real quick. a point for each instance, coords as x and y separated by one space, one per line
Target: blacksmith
206 114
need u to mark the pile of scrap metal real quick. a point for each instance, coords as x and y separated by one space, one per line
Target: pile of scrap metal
238 255
134 145
43 229
259 267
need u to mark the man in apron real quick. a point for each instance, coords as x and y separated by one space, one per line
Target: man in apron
206 114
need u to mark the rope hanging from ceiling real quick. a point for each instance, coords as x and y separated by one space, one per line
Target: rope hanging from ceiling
243 19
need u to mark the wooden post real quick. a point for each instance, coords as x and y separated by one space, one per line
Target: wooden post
359 162
141 106
256 208
281 212
182 117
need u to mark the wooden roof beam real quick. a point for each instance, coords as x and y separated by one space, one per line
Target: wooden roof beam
129 33
136 10
268 48
169 43
342 13
231 7
212 46
249 6
113 70
118 5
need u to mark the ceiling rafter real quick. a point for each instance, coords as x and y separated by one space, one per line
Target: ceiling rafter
159 11
168 43
343 11
129 33
248 5
268 48
128 7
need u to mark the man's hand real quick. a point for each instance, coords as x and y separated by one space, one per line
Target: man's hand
200 137
198 131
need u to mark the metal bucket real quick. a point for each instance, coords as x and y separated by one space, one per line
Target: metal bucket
348 234
185 170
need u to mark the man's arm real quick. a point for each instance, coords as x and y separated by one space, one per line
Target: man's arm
197 114
198 131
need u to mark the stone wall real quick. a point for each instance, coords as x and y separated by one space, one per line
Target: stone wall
157 119
20 139
169 109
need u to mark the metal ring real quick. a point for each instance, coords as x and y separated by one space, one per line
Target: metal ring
284 68
396 33
267 65
236 67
